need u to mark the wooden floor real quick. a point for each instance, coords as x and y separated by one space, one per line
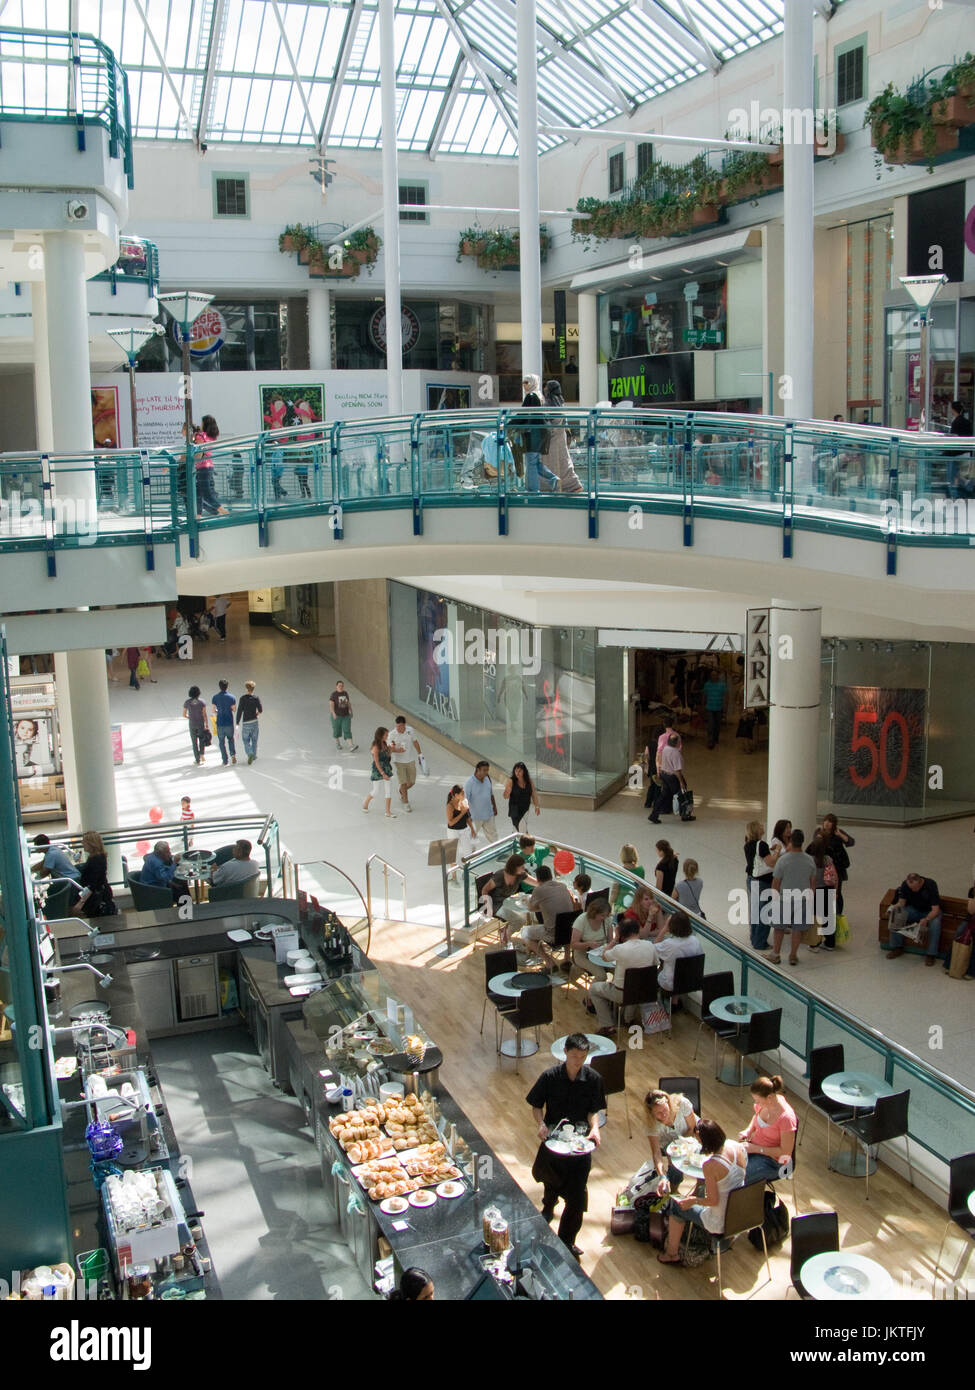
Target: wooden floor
898 1227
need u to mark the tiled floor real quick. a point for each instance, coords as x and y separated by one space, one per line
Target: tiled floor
317 793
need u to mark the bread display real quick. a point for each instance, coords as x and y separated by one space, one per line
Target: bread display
384 1179
430 1165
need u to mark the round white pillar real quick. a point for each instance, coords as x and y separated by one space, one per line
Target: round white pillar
67 345
793 738
394 303
799 149
319 328
43 407
86 744
588 310
532 356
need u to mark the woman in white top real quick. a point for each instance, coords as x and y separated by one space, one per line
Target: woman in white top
724 1171
589 932
675 940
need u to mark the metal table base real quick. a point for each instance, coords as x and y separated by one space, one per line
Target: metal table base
853 1164
510 1048
729 1074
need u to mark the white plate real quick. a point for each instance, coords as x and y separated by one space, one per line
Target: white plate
394 1206
423 1198
301 991
239 935
264 933
307 977
449 1190
559 1146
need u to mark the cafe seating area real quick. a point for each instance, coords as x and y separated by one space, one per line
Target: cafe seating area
888 1230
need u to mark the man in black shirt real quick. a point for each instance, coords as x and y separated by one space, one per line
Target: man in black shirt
572 1091
920 896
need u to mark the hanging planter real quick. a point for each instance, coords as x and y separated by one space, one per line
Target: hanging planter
957 110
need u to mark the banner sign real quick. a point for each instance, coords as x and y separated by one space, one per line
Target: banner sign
878 750
758 658
560 334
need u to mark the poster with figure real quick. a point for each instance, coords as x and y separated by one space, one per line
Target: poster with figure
553 715
34 746
104 417
432 618
298 404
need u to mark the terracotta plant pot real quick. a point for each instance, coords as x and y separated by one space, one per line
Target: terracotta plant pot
316 269
912 151
823 153
957 111
304 256
287 243
350 269
705 216
777 158
471 248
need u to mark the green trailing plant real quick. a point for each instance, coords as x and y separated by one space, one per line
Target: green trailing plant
469 242
365 239
900 122
293 238
663 201
497 249
743 171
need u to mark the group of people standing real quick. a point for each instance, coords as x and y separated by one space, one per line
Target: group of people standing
806 873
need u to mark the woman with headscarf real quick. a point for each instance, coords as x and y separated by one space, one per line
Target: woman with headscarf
557 457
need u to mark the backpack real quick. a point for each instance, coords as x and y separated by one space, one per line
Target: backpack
830 876
775 1223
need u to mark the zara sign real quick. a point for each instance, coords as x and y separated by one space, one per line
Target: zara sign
758 658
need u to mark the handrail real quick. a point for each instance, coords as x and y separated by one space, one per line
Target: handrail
387 869
751 963
309 864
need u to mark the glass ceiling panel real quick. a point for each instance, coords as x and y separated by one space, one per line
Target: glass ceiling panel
597 60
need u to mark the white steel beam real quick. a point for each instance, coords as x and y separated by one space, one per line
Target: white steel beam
446 106
477 66
625 102
209 72
187 124
676 31
549 39
294 69
345 53
654 138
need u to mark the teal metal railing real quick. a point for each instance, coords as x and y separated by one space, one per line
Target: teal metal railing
892 488
47 76
138 262
942 1112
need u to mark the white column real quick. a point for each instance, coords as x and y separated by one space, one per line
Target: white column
799 285
86 743
319 328
43 408
588 349
793 739
67 345
531 270
394 311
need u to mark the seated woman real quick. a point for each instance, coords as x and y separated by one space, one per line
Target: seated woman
643 910
670 1116
674 940
97 899
589 932
497 889
724 1171
619 895
770 1139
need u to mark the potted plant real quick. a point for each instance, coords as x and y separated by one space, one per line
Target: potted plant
363 246
747 175
501 250
953 101
310 250
286 241
470 242
904 131
830 140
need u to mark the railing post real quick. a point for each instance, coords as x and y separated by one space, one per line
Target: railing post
688 480
47 489
259 491
893 483
416 480
192 523
788 491
147 509
502 477
592 479
335 456
810 1032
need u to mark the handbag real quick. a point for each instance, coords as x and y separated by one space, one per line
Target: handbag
831 877
207 737
422 764
622 1220
142 670
961 955
655 1017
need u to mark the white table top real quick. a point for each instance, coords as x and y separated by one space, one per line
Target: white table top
598 1046
971 1202
857 1089
691 1165
841 1276
501 984
596 956
738 1008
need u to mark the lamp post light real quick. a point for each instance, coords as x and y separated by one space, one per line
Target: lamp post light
923 289
185 306
131 341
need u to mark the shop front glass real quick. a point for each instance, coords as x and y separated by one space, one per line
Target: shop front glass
446 335
952 349
894 739
548 697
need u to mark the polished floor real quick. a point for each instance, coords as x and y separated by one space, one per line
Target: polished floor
317 793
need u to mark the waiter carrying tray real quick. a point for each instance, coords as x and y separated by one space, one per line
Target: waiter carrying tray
574 1092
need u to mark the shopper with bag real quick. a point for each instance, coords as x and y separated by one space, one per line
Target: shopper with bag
195 711
837 842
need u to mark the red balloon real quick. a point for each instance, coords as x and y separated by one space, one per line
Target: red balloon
564 862
155 814
142 847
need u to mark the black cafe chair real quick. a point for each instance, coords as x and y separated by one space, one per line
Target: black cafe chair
745 1212
688 978
533 1008
715 986
888 1120
223 855
598 895
498 963
639 987
689 1086
823 1062
760 1034
815 1234
611 1066
564 922
148 897
961 1184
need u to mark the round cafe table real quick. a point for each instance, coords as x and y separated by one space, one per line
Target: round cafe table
596 956
512 984
598 1046
691 1165
738 1009
971 1202
841 1276
195 868
860 1091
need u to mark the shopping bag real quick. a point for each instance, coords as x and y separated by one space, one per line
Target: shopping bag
422 765
655 1017
842 930
961 959
810 937
142 670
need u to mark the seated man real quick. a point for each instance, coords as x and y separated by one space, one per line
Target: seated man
549 899
57 864
237 870
630 952
920 896
159 871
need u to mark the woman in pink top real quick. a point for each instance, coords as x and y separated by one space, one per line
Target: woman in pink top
771 1137
206 497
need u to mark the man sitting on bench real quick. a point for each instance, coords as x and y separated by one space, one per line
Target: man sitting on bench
919 895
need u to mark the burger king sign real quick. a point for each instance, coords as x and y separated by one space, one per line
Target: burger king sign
208 333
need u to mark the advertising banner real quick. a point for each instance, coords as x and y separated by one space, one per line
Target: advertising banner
879 747
652 381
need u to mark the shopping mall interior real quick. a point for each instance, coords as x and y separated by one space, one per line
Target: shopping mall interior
626 484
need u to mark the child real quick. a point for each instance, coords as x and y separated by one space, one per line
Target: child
688 893
581 886
186 815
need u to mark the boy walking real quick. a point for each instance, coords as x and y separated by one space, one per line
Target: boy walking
340 707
